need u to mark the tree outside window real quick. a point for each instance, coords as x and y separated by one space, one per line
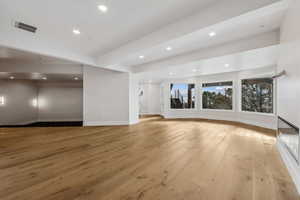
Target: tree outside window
217 95
257 95
182 96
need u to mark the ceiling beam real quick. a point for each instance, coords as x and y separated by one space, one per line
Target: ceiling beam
31 43
256 42
214 14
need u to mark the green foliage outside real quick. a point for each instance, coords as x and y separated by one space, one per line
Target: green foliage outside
257 95
217 100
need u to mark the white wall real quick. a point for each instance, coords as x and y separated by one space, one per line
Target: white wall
60 101
133 99
150 101
258 119
289 86
30 101
107 97
19 107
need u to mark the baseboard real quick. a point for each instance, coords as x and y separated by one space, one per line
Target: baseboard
272 126
44 124
146 114
57 123
105 123
290 163
18 124
76 122
134 122
60 120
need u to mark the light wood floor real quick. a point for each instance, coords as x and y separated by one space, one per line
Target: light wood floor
156 159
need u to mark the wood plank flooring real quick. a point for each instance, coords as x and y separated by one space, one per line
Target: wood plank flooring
156 159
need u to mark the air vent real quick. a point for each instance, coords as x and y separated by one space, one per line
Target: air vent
25 27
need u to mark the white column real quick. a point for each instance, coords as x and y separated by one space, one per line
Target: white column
110 97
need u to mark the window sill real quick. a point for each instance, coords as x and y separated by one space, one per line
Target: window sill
182 109
216 110
258 113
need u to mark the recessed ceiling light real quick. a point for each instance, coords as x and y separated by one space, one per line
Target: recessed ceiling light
169 48
195 70
171 73
103 8
44 78
11 77
212 34
76 78
76 31
226 65
141 57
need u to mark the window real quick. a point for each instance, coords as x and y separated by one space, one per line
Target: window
182 96
257 95
217 95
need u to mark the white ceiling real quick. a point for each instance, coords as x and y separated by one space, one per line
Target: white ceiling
15 57
8 55
125 20
131 28
40 76
247 60
250 24
231 23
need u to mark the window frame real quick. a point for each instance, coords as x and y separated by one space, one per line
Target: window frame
218 110
182 109
241 99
